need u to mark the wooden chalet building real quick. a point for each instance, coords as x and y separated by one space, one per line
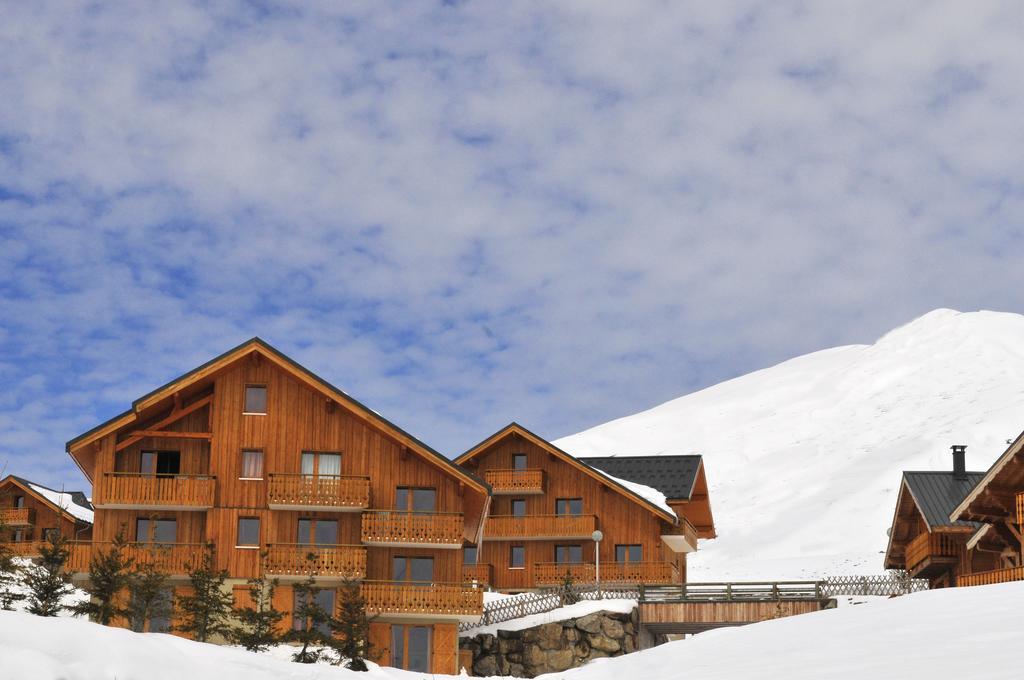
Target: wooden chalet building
30 512
923 539
547 504
997 503
254 453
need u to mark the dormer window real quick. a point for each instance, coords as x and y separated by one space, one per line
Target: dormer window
255 400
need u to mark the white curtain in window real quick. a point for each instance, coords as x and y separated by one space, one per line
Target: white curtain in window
330 464
252 464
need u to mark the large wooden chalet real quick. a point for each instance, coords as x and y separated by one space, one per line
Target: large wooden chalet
31 512
255 453
547 505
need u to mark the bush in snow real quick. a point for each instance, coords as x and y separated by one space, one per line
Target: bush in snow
351 628
149 596
258 629
206 612
109 574
46 581
312 627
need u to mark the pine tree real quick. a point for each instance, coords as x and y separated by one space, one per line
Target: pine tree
10 571
206 612
314 622
351 627
46 581
258 629
109 574
147 587
567 590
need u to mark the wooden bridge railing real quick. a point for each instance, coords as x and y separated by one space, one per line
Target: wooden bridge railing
318 492
515 481
291 560
734 592
171 558
541 527
984 578
134 490
18 517
933 545
439 529
438 599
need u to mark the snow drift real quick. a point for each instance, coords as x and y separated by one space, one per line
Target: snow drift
804 458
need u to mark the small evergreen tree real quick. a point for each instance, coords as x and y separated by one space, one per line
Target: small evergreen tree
351 627
46 581
109 574
10 571
148 599
313 622
206 612
567 590
258 629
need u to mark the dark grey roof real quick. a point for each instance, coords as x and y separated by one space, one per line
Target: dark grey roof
77 497
672 475
938 493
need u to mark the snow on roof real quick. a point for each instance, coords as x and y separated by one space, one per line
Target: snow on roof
648 493
65 502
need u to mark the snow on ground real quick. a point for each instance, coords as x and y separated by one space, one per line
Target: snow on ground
572 611
804 458
953 633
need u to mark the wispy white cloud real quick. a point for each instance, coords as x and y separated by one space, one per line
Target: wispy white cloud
469 213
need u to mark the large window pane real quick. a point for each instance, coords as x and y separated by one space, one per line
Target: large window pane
518 507
326 532
142 530
402 498
629 553
252 464
469 554
248 531
517 557
519 461
569 506
165 530
568 554
330 464
147 462
419 649
397 646
255 399
168 462
422 569
424 500
305 532
308 460
398 569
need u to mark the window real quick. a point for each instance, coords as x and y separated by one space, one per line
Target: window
19 502
568 554
248 532
410 648
19 535
416 500
157 612
518 507
318 532
255 400
518 461
156 530
160 462
469 554
322 464
50 534
629 553
325 598
252 464
413 569
569 506
517 557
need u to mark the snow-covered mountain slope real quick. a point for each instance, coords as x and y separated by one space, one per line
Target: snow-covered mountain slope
804 458
952 633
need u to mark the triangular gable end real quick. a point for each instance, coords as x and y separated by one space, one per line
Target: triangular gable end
27 488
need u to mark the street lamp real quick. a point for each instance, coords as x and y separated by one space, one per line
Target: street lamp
597 536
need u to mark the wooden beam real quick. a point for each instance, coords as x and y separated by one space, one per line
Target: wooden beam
170 434
173 417
1013 529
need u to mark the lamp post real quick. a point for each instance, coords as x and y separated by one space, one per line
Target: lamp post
597 536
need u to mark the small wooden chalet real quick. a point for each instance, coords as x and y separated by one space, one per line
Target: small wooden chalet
997 503
547 505
30 512
923 540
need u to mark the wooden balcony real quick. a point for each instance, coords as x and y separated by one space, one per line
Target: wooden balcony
402 600
18 517
290 562
398 528
682 537
25 548
478 573
132 491
1020 509
170 558
931 553
984 578
323 493
518 482
553 573
539 527
648 573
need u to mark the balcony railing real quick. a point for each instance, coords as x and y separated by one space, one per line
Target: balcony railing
157 492
456 600
932 545
682 537
170 558
553 573
515 481
412 529
289 561
325 493
18 517
984 578
539 527
1020 509
477 573
25 548
648 573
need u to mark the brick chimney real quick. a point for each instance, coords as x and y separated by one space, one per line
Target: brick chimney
959 461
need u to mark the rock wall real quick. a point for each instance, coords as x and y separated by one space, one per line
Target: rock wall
552 647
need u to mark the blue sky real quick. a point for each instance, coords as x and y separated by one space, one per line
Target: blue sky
469 213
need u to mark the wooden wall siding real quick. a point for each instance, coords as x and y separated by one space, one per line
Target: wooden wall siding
622 520
340 562
39 516
132 490
380 643
290 491
723 612
985 578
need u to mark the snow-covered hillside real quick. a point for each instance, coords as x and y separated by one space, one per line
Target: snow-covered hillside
804 458
953 633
